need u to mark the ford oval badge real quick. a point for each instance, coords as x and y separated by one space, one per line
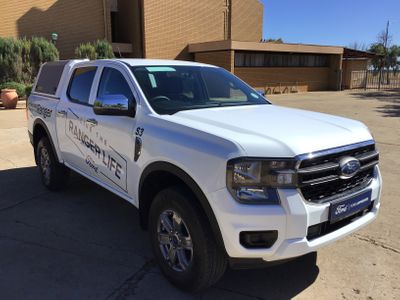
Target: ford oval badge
349 166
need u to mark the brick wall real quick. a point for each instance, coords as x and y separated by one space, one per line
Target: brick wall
348 67
170 26
74 21
286 79
335 72
224 59
246 20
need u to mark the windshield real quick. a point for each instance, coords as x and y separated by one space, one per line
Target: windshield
170 89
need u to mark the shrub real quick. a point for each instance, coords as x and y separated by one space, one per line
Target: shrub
19 87
42 51
103 49
20 59
26 66
28 90
10 60
86 50
100 49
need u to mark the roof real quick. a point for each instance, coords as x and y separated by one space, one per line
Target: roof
260 46
159 62
358 54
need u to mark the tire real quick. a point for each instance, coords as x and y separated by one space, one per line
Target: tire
194 268
53 174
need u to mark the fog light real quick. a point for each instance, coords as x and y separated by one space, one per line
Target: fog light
258 239
314 231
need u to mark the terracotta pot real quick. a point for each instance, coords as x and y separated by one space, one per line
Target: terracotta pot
9 97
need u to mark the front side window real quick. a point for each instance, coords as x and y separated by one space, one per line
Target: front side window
113 83
170 89
81 84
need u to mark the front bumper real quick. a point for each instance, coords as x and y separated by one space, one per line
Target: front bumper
291 219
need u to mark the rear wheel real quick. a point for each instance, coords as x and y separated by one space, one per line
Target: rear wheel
183 242
53 174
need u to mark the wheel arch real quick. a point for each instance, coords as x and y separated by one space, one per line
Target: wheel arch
174 175
40 130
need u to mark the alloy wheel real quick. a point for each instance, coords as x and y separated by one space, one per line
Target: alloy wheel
45 164
175 241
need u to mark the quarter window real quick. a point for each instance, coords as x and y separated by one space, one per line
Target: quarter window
49 77
81 84
113 83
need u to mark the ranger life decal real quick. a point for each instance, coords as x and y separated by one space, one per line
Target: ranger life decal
95 151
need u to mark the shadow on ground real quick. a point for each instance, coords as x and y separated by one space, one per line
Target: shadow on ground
86 243
390 100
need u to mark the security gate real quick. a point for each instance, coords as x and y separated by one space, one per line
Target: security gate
378 80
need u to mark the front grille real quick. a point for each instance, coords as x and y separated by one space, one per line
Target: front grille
319 176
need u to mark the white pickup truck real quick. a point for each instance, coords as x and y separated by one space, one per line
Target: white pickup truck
220 176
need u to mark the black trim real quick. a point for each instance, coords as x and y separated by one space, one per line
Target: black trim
138 148
40 94
238 263
41 123
183 176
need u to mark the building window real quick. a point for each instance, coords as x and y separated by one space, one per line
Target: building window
280 60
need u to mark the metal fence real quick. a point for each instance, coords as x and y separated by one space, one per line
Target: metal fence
378 80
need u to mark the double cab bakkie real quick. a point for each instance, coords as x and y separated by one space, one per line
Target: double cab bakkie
220 175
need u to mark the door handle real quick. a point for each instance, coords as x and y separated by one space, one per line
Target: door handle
62 113
92 122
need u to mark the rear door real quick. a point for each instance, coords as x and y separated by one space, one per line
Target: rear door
74 127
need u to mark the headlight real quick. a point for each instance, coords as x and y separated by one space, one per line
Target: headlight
256 181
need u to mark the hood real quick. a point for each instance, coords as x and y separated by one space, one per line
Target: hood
274 131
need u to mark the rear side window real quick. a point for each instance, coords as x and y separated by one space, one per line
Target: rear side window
81 84
49 77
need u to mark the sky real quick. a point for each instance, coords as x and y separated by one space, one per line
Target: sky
330 22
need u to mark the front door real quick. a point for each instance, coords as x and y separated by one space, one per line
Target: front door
111 155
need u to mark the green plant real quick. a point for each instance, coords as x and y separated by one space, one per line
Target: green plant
28 90
103 49
42 51
10 60
100 49
86 50
19 87
20 59
26 65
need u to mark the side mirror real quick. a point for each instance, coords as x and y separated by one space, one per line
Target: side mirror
114 105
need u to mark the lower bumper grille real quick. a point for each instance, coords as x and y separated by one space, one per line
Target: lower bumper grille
319 176
319 230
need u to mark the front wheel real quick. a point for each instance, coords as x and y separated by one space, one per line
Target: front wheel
53 174
182 241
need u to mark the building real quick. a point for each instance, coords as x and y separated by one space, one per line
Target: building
355 61
227 33
274 67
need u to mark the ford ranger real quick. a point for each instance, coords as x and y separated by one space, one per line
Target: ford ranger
220 175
